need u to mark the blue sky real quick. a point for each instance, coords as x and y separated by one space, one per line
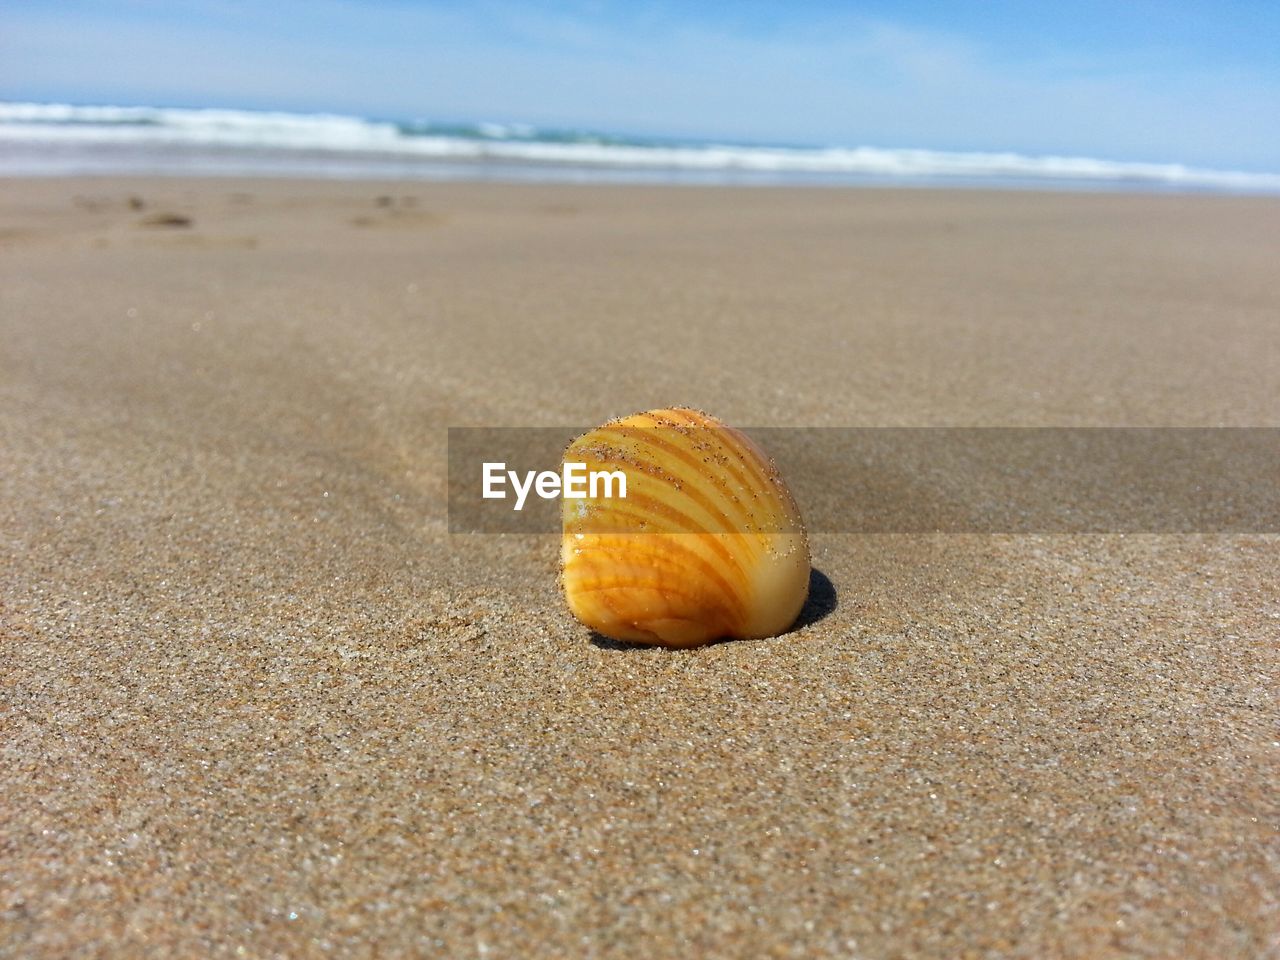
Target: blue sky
1194 82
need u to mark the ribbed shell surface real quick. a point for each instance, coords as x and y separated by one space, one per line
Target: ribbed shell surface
707 543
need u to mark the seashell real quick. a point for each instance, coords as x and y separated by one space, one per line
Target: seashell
707 543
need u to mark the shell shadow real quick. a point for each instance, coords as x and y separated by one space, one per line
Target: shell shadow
821 602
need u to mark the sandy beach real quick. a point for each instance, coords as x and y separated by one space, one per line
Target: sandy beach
255 700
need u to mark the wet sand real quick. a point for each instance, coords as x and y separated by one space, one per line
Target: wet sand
256 700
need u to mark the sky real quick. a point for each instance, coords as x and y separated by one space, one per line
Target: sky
1177 81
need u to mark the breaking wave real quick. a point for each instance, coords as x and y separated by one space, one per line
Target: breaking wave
128 136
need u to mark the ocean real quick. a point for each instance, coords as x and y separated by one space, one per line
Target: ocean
47 139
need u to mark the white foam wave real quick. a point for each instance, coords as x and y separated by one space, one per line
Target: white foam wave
68 125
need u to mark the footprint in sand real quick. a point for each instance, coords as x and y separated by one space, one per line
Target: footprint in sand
398 218
166 220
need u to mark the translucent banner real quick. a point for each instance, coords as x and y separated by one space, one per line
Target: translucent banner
899 480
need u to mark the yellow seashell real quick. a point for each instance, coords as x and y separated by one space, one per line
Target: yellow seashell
707 543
